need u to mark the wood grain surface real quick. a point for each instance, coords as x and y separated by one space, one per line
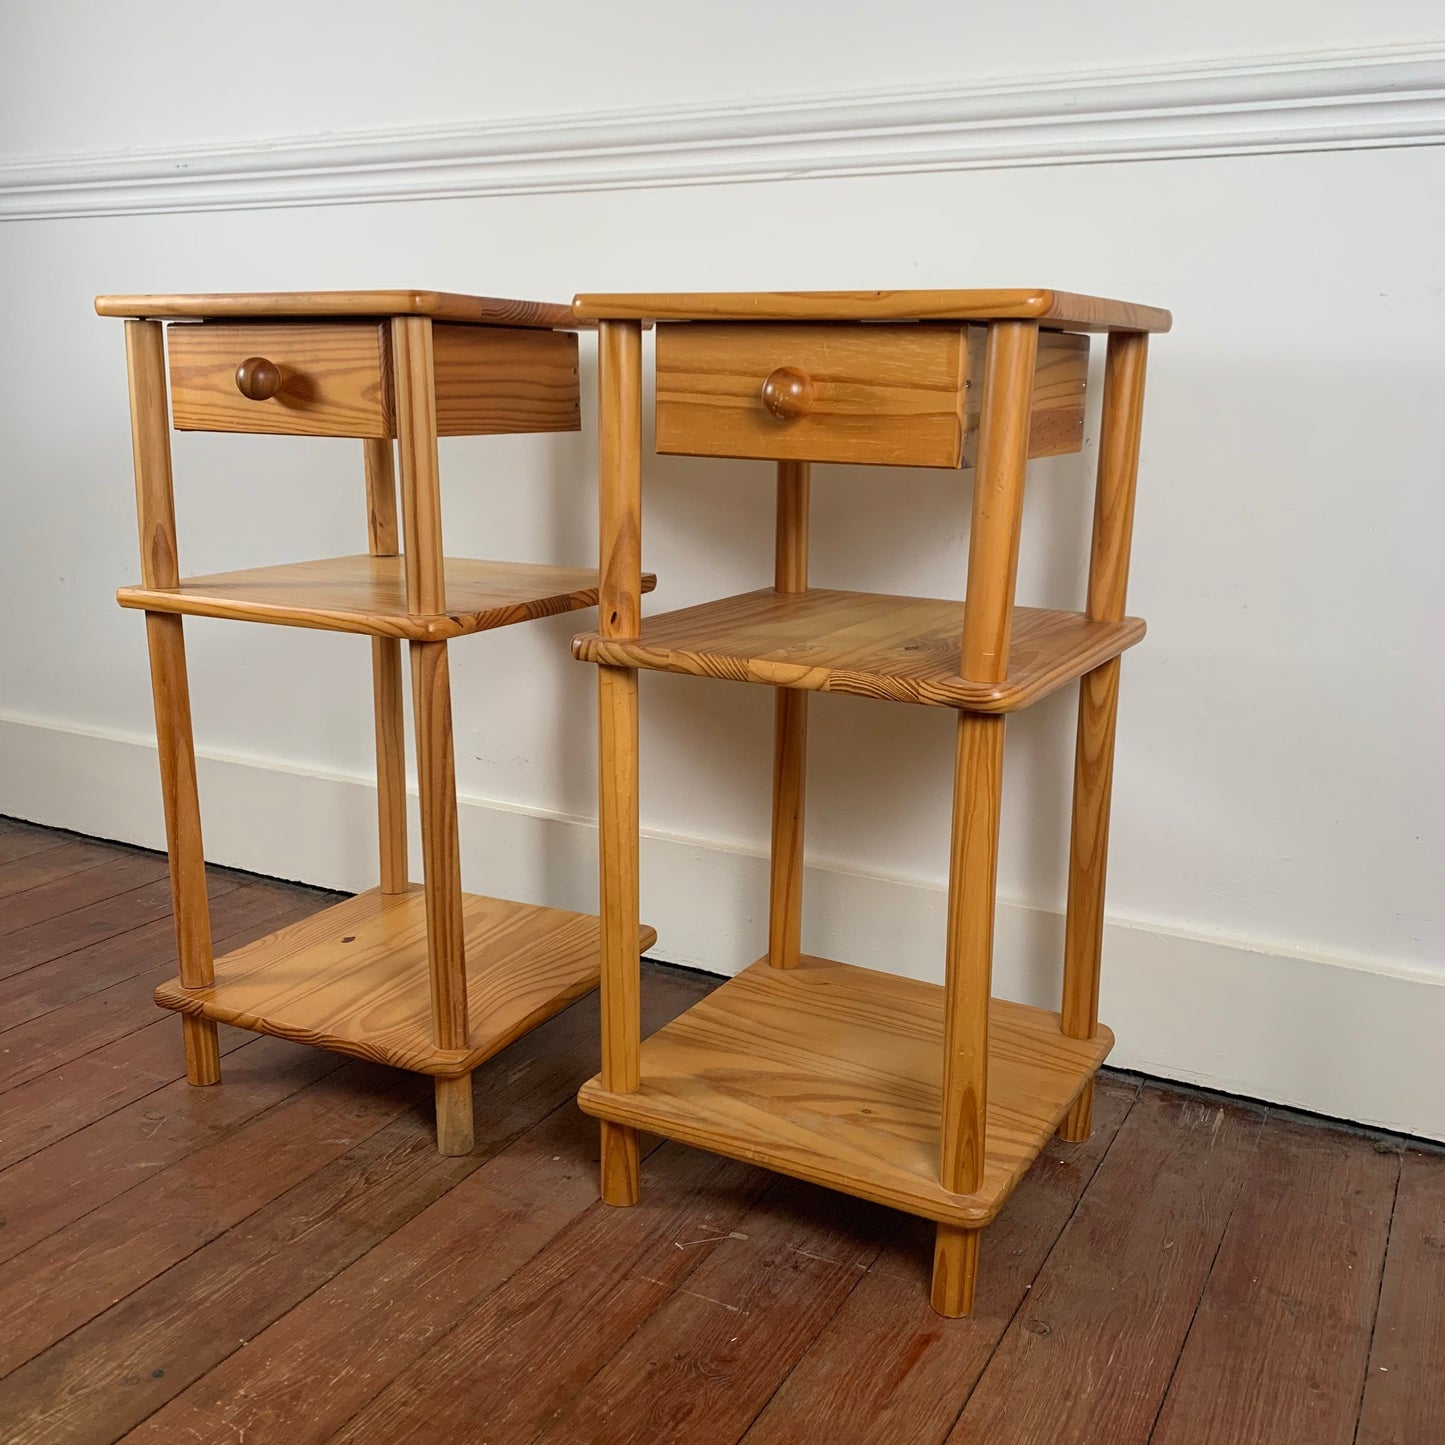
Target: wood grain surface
354 978
368 595
334 378
492 380
1051 308
287 1260
833 1074
876 395
868 644
439 305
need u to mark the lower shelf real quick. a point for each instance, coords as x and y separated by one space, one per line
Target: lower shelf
833 1074
354 978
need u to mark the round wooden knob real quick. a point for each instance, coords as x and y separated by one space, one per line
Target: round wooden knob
788 393
258 379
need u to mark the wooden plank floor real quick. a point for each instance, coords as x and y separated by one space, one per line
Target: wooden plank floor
287 1259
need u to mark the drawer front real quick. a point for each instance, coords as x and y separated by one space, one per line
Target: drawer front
329 379
906 395
890 395
492 379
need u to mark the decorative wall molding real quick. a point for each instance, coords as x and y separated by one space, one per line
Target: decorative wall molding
1354 1038
1308 102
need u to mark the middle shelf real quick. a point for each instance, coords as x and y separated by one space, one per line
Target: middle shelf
354 978
870 644
368 595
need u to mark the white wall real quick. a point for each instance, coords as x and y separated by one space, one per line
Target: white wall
1279 794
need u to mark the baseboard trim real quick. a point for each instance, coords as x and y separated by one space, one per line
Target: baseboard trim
1336 100
1354 1039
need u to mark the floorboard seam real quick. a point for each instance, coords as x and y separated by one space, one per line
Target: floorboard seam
1379 1293
180 1159
481 1300
814 1337
1043 1263
66 912
1204 1285
50 883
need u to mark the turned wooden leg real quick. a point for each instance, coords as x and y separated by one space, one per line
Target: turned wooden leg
176 748
203 1050
619 604
621 1181
785 893
1078 1123
1088 856
972 873
621 971
454 1115
790 733
955 1270
441 872
1099 703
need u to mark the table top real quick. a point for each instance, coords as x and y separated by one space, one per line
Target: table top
275 305
1061 309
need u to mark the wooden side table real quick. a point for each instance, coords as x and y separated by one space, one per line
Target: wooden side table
420 977
930 1099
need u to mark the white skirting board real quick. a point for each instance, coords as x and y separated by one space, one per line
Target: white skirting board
1355 1039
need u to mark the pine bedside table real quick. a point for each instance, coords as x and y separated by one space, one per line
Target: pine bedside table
420 977
929 1099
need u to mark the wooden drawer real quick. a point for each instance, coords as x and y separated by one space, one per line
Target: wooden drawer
492 379
905 395
333 378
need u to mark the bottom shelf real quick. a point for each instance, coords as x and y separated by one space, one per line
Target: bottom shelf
833 1073
354 978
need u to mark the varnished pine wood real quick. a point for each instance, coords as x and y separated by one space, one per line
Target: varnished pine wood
619 477
619 487
883 395
790 735
386 680
998 499
799 382
790 564
411 339
832 1073
170 689
456 1133
972 882
1122 424
368 595
258 379
619 890
1098 707
492 380
383 537
439 305
866 644
955 1270
440 850
151 453
1060 309
353 978
421 501
332 378
1057 403
1089 846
